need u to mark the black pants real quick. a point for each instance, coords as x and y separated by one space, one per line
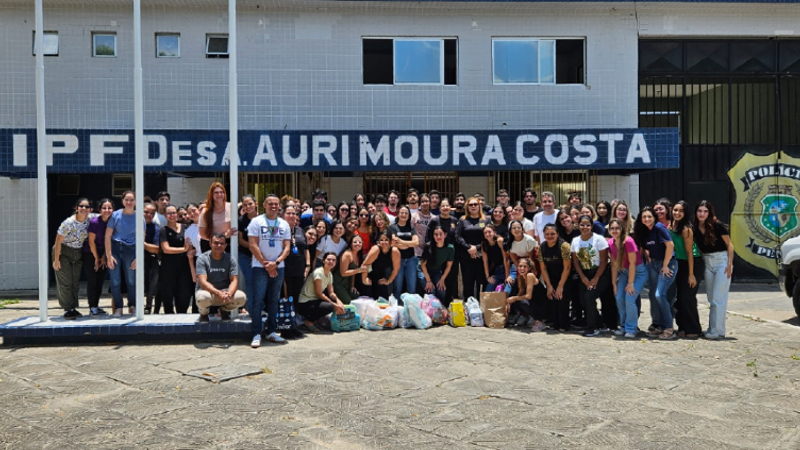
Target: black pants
472 276
590 296
451 283
572 292
175 286
151 272
609 304
94 280
314 309
378 290
293 285
559 309
686 315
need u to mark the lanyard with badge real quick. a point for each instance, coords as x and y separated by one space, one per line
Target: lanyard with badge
273 230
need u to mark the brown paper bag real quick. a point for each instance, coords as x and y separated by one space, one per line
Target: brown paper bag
493 305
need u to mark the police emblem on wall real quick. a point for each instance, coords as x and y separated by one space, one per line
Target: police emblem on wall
765 214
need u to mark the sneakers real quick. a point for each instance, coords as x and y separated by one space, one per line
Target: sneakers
97 311
512 319
530 323
619 332
72 314
118 313
203 318
256 342
538 326
225 316
522 321
275 339
714 336
148 310
604 330
630 335
591 333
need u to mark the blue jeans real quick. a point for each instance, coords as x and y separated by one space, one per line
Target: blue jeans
626 304
266 289
246 279
717 286
659 285
500 276
125 255
435 275
407 273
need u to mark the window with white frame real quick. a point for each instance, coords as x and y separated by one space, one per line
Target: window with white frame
50 43
104 45
216 46
421 61
168 45
537 61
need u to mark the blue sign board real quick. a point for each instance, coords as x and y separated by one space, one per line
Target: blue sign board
112 151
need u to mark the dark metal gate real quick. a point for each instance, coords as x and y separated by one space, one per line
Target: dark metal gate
729 98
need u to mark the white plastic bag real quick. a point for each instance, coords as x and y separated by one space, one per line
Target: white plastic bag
376 318
474 312
361 305
413 306
404 321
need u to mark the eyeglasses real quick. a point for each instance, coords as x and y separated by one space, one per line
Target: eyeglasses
472 204
363 215
344 209
84 206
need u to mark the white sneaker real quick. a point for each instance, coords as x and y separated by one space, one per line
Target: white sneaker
118 313
275 339
630 335
619 332
256 342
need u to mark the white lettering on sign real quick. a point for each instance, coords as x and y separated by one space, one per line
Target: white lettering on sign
68 144
426 151
98 148
610 141
161 150
548 149
181 153
207 156
494 151
638 149
20 150
324 145
521 158
589 150
301 158
345 150
265 152
374 154
413 143
464 145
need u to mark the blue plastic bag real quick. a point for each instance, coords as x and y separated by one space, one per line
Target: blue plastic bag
348 321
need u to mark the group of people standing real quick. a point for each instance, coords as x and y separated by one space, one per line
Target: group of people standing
554 263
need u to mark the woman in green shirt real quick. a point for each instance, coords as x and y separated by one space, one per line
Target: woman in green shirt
688 257
317 298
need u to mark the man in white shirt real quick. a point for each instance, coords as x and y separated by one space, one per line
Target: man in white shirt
548 215
269 237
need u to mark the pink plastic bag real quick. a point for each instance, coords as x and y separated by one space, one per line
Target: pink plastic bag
434 309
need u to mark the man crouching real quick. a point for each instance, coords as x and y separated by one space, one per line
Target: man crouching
217 278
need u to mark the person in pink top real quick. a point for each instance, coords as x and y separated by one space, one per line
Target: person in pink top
628 275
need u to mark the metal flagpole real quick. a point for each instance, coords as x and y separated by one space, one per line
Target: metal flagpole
233 124
41 166
138 127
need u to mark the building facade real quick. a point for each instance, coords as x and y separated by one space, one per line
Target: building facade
518 81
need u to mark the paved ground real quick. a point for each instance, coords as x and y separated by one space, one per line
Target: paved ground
461 388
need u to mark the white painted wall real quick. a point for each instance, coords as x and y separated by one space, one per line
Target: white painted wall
18 261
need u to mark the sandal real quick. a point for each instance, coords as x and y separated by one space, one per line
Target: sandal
692 336
310 328
668 334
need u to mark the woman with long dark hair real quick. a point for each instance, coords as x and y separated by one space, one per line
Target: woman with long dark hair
94 255
436 264
495 261
686 315
500 221
628 275
555 260
175 276
603 210
68 257
650 234
245 256
520 300
364 229
714 242
385 261
406 239
215 217
590 260
344 211
348 266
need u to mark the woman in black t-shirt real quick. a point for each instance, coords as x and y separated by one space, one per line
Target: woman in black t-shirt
175 275
713 240
555 259
405 238
469 235
496 266
245 257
